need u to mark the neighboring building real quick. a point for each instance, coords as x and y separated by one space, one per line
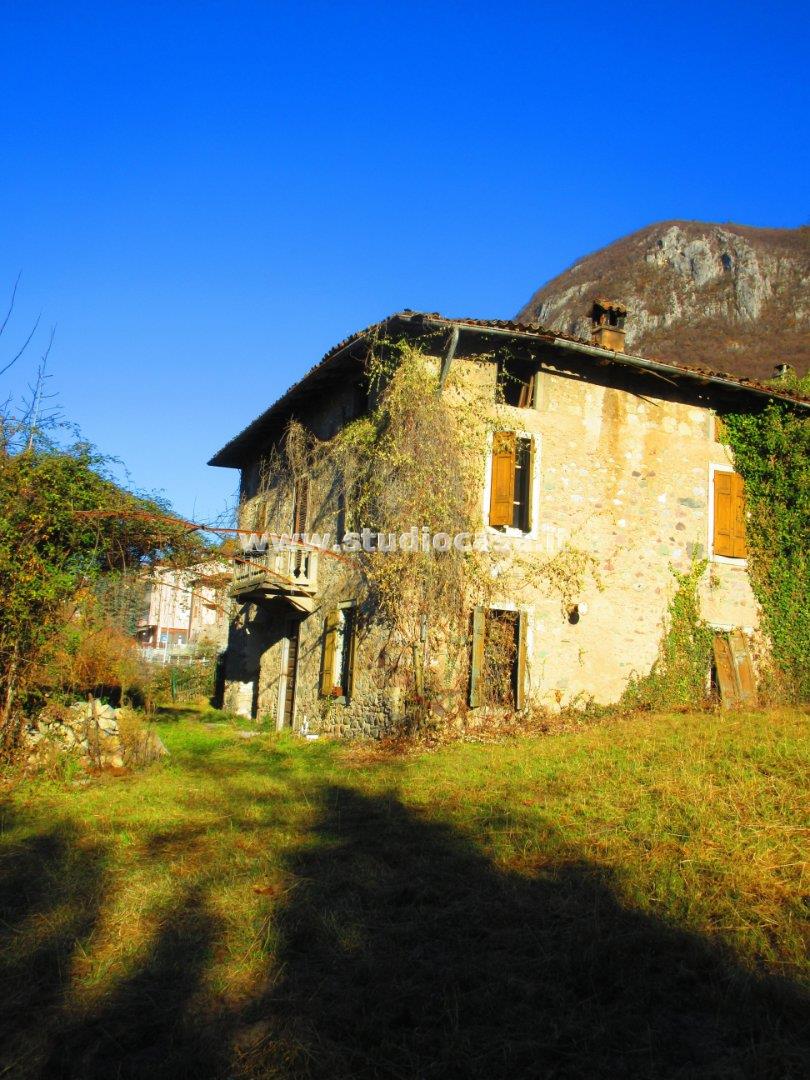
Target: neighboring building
185 608
590 446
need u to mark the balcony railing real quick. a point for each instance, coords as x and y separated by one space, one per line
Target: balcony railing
290 572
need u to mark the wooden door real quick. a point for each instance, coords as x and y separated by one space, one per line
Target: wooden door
290 673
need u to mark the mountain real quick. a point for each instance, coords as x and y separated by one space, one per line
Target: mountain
729 297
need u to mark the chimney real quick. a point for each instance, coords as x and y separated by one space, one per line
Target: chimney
783 371
608 318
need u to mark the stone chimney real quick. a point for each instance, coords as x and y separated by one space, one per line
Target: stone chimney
608 318
783 371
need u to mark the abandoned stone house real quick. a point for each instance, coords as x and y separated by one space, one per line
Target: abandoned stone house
589 446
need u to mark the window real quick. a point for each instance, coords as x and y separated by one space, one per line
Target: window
498 660
728 504
337 660
516 382
511 481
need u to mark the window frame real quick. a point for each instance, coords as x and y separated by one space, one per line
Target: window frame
347 642
533 531
730 560
524 646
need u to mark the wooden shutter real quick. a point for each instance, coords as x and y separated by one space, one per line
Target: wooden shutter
350 645
301 508
520 688
744 668
738 516
729 515
330 632
724 666
477 655
723 540
735 671
502 490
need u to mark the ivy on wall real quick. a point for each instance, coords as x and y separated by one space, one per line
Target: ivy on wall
678 676
772 454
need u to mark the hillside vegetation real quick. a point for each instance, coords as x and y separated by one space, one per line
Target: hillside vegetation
729 297
620 901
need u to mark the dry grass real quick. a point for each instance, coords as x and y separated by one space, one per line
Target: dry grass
625 900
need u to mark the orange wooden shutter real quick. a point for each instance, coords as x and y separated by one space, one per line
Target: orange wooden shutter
502 492
744 667
738 520
330 632
723 541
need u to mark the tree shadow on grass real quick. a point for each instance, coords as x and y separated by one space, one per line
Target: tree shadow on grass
153 1024
408 954
50 896
402 952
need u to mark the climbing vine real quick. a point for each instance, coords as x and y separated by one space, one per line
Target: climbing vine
412 467
565 574
678 676
772 454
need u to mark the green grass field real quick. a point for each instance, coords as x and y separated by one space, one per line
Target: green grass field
623 901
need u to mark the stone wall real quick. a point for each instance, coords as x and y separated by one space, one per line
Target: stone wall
95 733
625 476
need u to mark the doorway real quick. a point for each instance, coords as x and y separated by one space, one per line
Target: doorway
289 674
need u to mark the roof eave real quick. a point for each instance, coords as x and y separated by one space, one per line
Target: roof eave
678 372
232 454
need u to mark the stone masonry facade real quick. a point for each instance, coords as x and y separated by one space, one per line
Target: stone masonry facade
622 466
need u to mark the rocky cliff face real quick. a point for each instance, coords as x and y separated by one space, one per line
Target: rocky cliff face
729 297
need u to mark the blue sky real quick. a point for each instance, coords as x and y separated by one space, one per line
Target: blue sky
204 197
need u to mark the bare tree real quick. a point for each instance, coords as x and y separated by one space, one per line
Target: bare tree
22 421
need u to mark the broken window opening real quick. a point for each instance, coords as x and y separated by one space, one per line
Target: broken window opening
498 661
516 382
499 670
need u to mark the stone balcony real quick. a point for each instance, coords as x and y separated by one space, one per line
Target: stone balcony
290 574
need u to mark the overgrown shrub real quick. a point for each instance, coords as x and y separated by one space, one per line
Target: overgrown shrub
63 524
183 682
772 453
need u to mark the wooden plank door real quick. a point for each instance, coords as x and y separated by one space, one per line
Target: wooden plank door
290 672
